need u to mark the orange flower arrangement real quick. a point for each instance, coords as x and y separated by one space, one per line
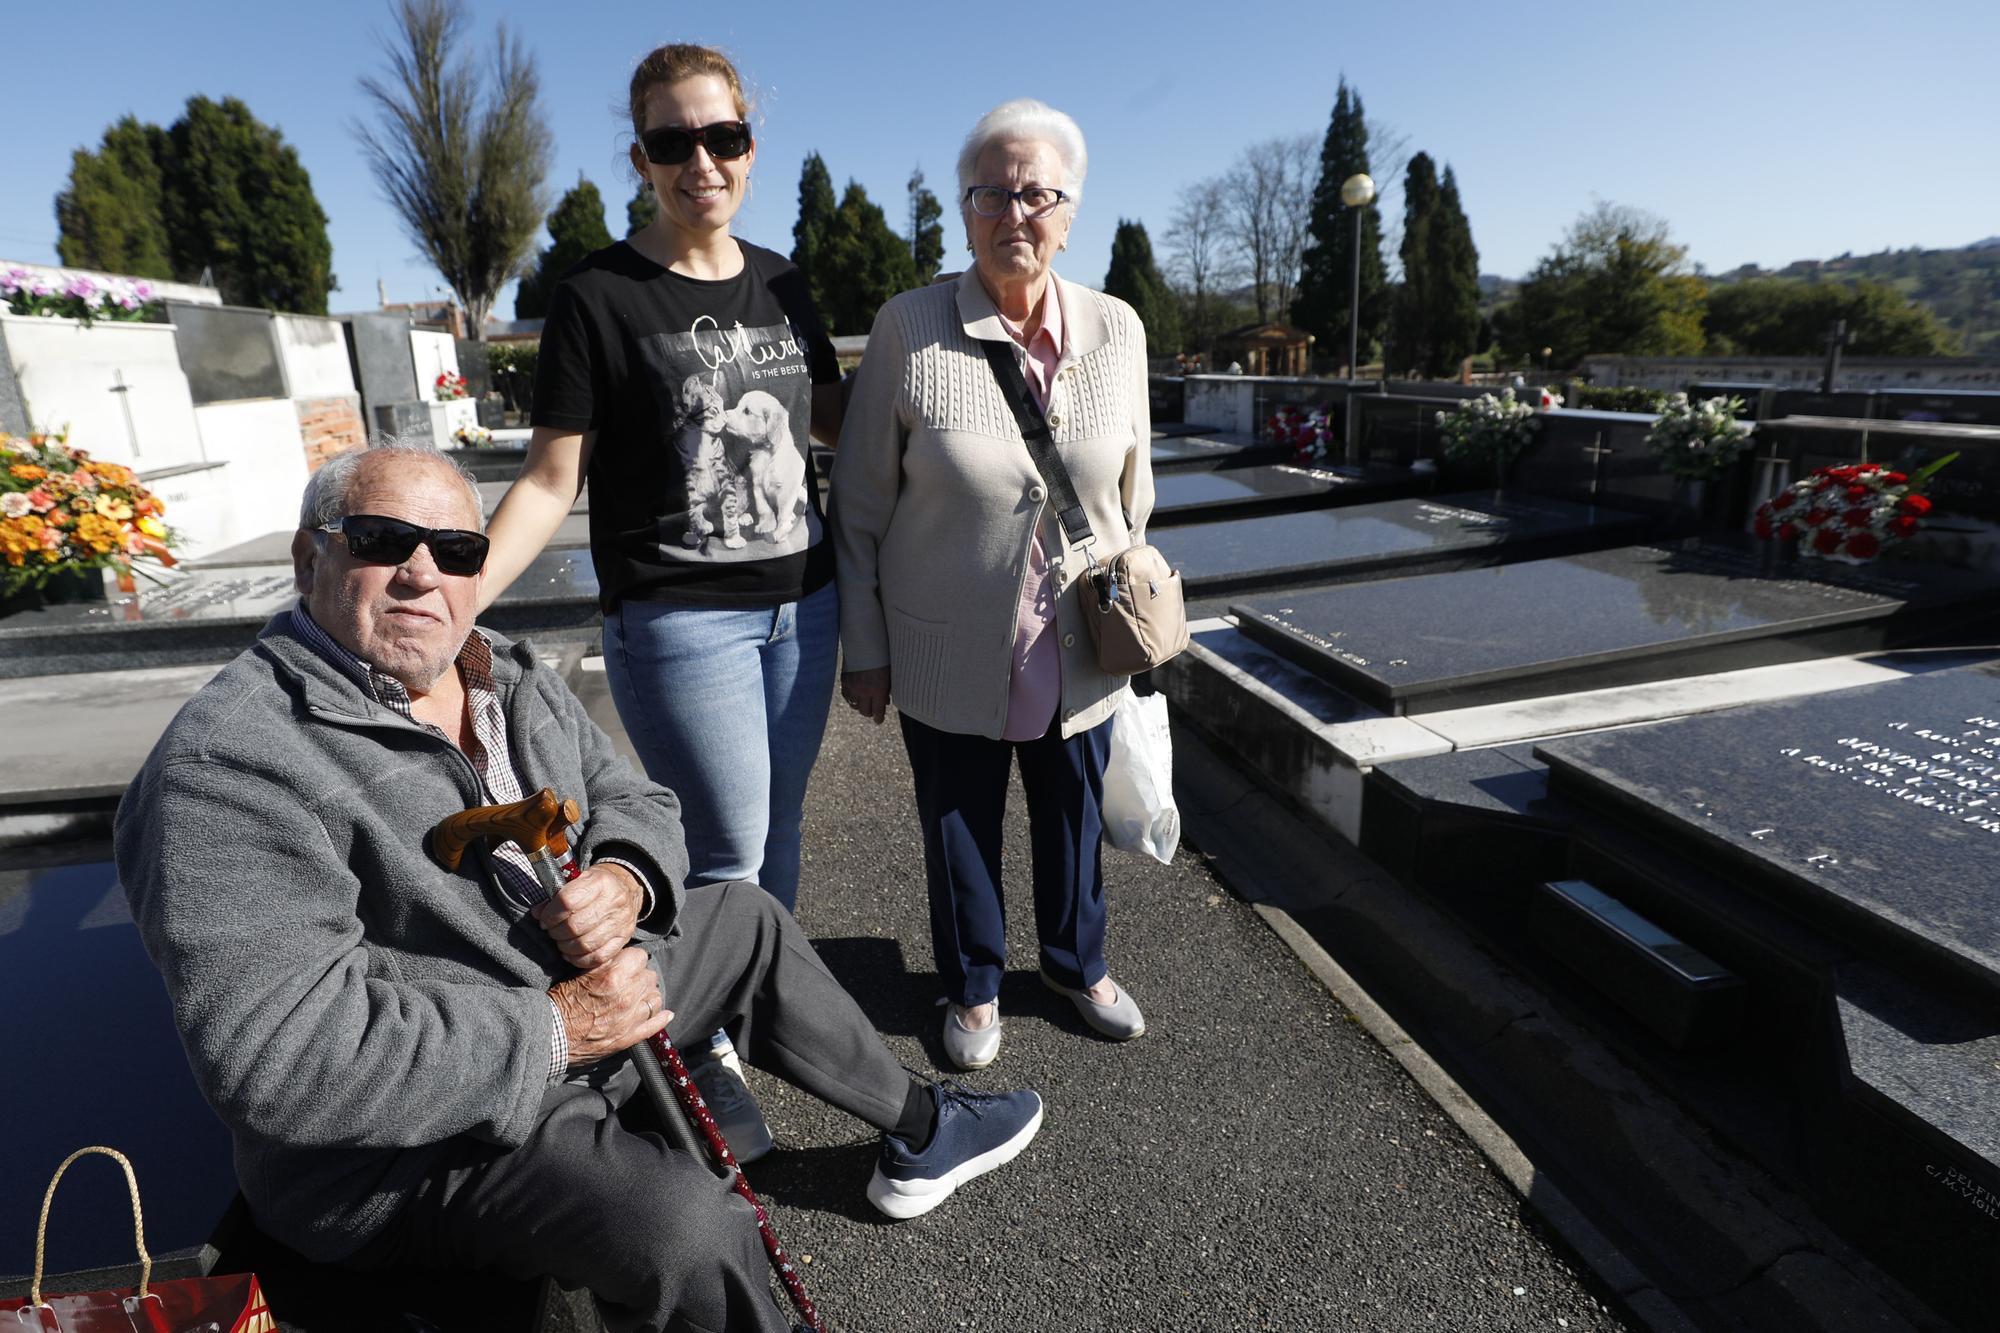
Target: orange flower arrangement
61 511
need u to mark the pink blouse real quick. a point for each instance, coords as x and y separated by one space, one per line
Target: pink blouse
1035 685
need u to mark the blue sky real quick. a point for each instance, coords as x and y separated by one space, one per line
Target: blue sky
1762 130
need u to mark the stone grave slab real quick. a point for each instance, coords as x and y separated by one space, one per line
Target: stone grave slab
1877 808
1382 540
1604 618
1210 449
1200 496
1866 820
1163 430
210 615
95 1059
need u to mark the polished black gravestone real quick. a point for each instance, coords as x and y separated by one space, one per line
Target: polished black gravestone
1382 540
211 615
1605 618
93 1057
1865 823
1238 492
1211 449
1876 808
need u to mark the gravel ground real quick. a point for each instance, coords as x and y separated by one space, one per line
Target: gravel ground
1255 1161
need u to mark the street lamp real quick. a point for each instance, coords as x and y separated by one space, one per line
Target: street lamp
1357 192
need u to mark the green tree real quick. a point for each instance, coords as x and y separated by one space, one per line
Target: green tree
812 232
576 229
1616 284
110 216
1135 279
462 164
1453 263
1778 317
239 204
926 228
862 263
641 208
1409 345
1326 273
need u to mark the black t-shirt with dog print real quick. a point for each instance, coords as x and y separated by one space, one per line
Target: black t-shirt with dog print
701 476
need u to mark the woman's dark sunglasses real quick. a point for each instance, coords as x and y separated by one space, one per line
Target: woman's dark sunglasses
390 541
670 145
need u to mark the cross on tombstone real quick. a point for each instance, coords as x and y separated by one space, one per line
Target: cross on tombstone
1836 339
1596 452
124 392
1774 470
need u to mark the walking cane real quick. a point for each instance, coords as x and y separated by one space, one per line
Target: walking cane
540 826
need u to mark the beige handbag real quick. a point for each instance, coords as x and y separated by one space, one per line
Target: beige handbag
1135 611
1133 605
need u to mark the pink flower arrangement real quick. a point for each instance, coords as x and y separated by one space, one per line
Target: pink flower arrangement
449 387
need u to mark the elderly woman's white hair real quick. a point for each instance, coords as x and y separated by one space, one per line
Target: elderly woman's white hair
1026 118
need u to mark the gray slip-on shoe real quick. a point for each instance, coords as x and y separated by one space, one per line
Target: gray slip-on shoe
970 1048
1120 1020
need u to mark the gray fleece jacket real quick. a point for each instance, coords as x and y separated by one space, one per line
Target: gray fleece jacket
354 1013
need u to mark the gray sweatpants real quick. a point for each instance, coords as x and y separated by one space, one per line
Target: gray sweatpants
657 1238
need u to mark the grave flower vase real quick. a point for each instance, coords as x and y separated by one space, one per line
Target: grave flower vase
1691 504
59 589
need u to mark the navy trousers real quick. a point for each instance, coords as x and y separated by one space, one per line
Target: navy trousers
961 797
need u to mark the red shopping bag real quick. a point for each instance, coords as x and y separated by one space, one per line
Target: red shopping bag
230 1304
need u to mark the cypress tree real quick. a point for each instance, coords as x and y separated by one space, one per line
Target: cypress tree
1410 332
811 232
238 202
862 263
1321 306
110 217
926 228
1135 279
1453 268
641 208
576 228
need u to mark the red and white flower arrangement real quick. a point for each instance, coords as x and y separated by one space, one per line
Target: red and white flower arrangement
1850 514
1308 432
449 387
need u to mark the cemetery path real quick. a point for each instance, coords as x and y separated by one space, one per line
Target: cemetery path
1256 1161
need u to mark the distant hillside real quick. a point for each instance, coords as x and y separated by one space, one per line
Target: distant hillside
1961 287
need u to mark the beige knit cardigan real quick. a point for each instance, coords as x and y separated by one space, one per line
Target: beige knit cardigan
934 500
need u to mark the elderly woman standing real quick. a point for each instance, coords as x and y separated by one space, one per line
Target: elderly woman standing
960 597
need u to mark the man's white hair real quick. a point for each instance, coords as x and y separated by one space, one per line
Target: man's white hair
1024 118
325 497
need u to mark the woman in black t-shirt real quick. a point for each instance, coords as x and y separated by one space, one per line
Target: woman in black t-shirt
681 371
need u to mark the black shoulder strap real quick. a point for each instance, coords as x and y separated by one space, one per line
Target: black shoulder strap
1041 445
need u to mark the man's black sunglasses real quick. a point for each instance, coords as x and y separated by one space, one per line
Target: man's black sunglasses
670 145
391 541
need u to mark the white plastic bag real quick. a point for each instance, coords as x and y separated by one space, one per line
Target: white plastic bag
1139 812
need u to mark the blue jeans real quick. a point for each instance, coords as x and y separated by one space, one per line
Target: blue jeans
726 709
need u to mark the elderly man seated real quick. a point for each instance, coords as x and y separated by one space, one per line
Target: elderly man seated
424 1067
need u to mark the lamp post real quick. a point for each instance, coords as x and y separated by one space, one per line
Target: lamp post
1357 192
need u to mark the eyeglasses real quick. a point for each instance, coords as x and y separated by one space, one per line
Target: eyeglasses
390 541
1037 201
670 145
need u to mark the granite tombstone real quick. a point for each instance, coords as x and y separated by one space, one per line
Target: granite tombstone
100 1062
1382 540
1843 849
1201 496
1604 618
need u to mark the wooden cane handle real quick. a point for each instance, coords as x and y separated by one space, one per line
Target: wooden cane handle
531 823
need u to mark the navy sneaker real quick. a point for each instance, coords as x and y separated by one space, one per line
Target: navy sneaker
976 1131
